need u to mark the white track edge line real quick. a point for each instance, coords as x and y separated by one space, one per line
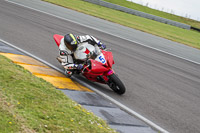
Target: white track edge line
123 107
105 32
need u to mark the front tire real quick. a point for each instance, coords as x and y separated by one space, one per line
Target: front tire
116 84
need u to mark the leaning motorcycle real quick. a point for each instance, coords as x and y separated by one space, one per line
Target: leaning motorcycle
97 65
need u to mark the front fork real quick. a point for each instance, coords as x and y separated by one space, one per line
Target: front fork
109 82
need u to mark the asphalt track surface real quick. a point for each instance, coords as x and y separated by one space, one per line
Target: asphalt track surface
163 88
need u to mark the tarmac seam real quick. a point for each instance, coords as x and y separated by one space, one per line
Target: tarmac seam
97 106
120 124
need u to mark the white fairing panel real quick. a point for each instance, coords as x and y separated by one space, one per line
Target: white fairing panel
101 58
84 50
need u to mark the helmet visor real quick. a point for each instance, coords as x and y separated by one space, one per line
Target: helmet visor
74 40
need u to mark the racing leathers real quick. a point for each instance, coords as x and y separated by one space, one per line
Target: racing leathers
66 56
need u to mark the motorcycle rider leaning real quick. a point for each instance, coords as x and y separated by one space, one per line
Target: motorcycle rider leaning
67 47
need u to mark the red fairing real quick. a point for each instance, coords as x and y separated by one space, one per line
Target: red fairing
109 58
97 67
57 39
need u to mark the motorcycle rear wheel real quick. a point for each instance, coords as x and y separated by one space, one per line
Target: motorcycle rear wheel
116 84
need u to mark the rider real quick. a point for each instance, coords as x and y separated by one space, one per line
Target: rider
68 46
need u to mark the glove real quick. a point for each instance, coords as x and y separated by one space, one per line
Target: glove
80 66
103 46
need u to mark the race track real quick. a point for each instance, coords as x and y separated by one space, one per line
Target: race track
163 88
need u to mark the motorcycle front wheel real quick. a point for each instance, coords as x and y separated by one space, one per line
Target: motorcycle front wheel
116 84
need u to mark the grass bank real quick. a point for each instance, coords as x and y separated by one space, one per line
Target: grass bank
30 104
187 37
162 14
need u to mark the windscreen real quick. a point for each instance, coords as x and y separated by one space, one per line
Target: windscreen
95 53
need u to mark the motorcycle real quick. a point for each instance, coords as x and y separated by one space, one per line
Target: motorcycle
97 65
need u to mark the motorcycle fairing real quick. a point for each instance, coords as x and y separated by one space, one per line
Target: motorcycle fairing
83 51
98 72
109 58
97 67
101 59
57 39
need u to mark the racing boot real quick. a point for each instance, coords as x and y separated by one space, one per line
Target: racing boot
68 73
59 59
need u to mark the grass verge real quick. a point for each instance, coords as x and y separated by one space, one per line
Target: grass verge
30 104
148 10
187 37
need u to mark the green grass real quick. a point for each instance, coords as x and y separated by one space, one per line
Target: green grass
187 37
8 123
30 104
148 10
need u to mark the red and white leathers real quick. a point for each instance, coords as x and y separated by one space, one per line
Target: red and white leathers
66 55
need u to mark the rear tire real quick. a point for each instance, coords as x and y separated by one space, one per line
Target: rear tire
116 84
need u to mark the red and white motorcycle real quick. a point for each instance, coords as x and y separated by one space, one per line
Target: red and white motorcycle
98 65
